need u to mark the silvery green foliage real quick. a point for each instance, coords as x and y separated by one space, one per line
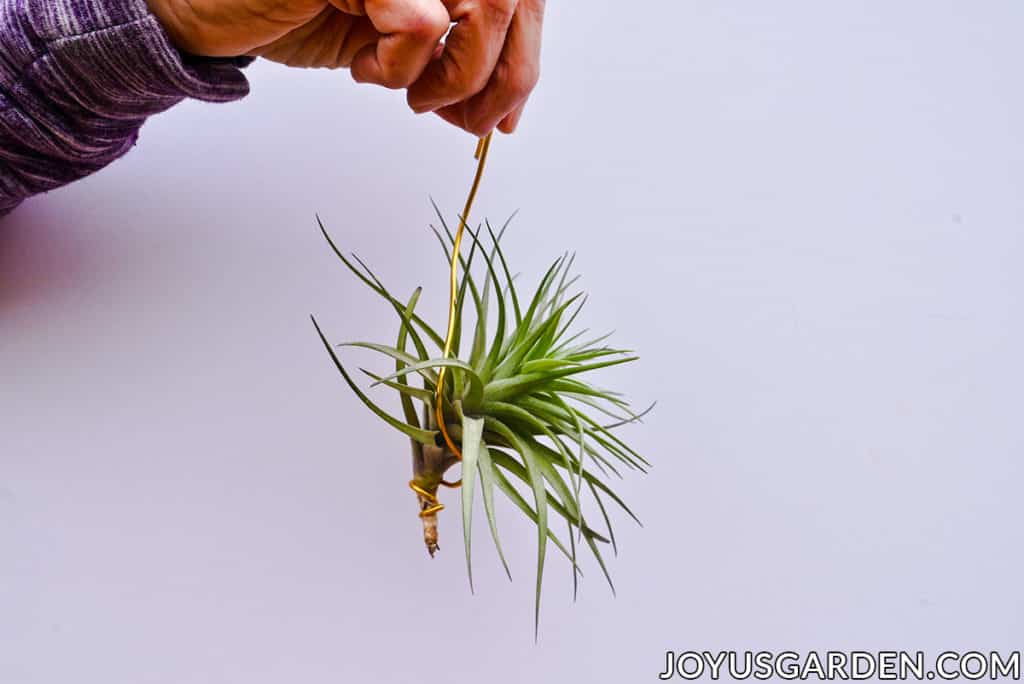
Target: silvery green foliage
518 399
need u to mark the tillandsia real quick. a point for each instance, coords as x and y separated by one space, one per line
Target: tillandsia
518 410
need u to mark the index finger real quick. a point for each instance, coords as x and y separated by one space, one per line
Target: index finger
410 31
469 57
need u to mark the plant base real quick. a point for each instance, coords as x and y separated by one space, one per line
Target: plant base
429 464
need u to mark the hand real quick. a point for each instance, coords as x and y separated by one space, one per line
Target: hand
478 79
488 68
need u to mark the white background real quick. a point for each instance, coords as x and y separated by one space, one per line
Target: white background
806 217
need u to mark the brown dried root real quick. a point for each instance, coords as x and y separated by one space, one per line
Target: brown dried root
429 464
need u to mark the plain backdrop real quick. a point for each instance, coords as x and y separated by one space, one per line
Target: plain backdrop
807 219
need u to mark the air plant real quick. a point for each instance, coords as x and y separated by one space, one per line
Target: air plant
518 409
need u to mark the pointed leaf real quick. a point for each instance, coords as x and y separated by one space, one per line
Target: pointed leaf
472 433
421 436
486 468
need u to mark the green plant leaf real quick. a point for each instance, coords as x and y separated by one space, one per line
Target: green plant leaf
378 288
507 411
508 277
545 365
486 468
493 355
600 561
516 498
403 332
420 435
472 442
638 418
476 387
479 348
540 500
504 389
604 514
521 348
538 296
412 365
505 462
424 395
522 406
579 435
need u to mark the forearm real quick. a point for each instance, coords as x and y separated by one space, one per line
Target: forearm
78 78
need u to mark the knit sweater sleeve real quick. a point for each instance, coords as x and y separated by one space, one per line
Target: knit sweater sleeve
78 78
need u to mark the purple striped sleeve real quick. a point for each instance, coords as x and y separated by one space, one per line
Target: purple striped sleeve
78 78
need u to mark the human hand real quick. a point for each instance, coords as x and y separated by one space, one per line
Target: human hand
477 79
488 68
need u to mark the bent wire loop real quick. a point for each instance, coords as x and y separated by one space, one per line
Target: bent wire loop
435 505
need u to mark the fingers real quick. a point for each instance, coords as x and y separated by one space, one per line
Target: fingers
453 114
501 102
478 79
361 35
509 124
410 31
330 40
470 55
456 116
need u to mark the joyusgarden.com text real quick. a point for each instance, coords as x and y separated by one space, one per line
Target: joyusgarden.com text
842 665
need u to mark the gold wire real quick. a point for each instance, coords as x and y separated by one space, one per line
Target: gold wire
482 145
435 505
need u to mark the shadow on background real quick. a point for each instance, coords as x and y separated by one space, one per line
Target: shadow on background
42 255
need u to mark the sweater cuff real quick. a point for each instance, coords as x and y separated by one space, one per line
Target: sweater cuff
116 53
78 78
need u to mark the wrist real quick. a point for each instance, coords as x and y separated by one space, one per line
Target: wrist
178 22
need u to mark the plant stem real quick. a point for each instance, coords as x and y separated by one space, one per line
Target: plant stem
429 464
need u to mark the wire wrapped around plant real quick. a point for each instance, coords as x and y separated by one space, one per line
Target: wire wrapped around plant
517 402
